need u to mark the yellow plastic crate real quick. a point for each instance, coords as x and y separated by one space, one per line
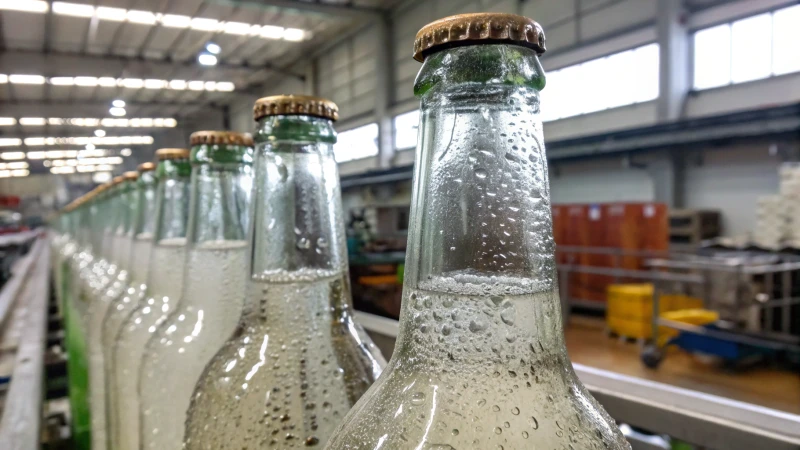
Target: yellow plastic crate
634 302
643 329
692 316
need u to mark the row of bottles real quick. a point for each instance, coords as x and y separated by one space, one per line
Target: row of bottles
207 301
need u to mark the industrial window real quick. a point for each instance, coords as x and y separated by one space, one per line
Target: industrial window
616 80
358 143
749 49
405 130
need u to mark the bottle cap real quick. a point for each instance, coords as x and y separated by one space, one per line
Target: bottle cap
295 105
172 153
478 28
146 167
220 138
130 176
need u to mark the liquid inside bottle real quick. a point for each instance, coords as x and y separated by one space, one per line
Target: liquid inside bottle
480 361
212 299
164 283
297 361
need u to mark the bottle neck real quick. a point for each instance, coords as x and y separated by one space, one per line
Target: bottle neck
172 199
297 231
219 202
481 224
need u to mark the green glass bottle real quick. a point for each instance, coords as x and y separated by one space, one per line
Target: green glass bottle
480 360
213 287
297 361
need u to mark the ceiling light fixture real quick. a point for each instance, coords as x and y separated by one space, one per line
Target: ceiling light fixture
207 59
118 112
125 152
10 142
213 48
128 83
33 121
7 121
34 6
11 156
152 18
118 103
99 133
26 79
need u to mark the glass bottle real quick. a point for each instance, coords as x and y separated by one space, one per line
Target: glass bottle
213 288
105 285
480 360
297 361
75 329
142 209
164 282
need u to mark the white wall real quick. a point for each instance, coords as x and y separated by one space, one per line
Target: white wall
598 182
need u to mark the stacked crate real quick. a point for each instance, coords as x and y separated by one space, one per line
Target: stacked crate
790 194
628 227
770 226
629 309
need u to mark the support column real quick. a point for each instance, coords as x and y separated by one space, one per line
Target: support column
675 64
310 81
667 174
384 73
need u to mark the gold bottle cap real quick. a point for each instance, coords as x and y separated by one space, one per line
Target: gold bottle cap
172 153
146 167
220 138
477 28
130 176
295 105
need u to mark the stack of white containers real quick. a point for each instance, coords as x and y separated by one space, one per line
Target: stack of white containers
790 194
770 226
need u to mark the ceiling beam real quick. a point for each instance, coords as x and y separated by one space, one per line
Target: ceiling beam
315 7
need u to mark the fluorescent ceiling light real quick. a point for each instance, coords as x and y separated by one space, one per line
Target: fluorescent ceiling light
112 14
203 24
99 133
34 6
114 111
155 84
107 81
142 17
177 85
62 81
294 34
11 156
84 140
37 121
10 142
128 83
7 121
55 121
14 165
20 173
210 86
132 83
86 81
170 123
175 21
73 9
3 77
271 32
207 59
101 177
125 152
35 155
196 85
225 86
213 48
118 103
26 79
239 28
62 170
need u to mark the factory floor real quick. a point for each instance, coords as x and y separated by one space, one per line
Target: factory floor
769 387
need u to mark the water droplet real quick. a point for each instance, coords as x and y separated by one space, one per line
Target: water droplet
481 173
476 326
525 435
418 398
495 408
322 243
515 411
481 402
534 423
455 432
498 430
446 330
506 424
303 243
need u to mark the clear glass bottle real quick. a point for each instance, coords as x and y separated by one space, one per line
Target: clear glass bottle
164 283
142 209
297 361
213 287
104 285
480 360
